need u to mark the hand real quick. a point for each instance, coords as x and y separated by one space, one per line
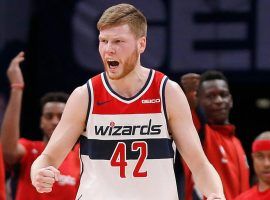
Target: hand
14 72
44 179
190 83
215 197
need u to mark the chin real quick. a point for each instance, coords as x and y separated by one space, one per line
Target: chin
48 135
115 76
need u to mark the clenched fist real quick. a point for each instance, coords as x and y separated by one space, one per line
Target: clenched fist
44 179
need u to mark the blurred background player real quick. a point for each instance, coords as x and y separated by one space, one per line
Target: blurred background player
211 102
261 164
23 151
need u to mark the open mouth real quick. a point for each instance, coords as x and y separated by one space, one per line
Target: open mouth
112 63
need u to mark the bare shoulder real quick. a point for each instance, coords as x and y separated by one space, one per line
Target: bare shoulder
80 91
173 90
80 94
77 103
176 101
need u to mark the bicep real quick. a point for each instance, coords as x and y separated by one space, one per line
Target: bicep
70 126
182 127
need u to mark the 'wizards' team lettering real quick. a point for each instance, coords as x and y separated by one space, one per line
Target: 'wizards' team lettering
150 129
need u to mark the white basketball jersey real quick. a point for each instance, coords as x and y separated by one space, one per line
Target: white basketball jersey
126 151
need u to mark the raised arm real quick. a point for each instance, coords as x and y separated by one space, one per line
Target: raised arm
190 83
44 169
10 131
188 143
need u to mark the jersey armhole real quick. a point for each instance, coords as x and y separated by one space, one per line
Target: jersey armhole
164 100
89 103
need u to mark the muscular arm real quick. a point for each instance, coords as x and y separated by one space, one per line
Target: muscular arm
66 133
188 143
10 131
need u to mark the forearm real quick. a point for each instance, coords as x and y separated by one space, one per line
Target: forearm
10 130
208 180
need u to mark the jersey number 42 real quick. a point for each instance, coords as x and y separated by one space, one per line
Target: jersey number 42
118 158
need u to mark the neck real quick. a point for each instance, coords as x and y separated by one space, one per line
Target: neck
45 139
226 122
132 83
262 186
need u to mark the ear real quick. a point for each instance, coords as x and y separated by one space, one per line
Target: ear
231 102
141 44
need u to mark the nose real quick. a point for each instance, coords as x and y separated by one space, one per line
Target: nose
109 48
218 99
55 120
267 161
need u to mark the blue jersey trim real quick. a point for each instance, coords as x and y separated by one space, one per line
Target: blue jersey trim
125 98
159 148
89 102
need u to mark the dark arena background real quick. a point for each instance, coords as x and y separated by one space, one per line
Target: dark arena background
60 41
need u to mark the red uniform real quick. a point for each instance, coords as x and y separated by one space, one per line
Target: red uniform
226 154
64 189
254 194
2 176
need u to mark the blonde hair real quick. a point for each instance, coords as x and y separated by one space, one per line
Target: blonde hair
124 14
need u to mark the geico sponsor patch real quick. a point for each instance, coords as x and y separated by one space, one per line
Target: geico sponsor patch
145 101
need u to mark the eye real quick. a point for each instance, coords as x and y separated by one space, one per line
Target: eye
48 116
103 41
210 96
118 41
225 94
259 156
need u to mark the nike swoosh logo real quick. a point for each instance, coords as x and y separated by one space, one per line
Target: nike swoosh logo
99 103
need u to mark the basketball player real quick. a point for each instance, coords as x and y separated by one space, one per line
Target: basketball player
131 114
261 163
211 102
22 152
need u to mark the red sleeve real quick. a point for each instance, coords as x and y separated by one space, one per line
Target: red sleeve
188 176
30 146
196 120
27 145
243 165
252 193
188 182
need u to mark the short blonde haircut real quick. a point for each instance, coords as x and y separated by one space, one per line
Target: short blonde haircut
124 14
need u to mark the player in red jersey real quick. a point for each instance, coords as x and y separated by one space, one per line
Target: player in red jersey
210 96
261 163
122 39
24 151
